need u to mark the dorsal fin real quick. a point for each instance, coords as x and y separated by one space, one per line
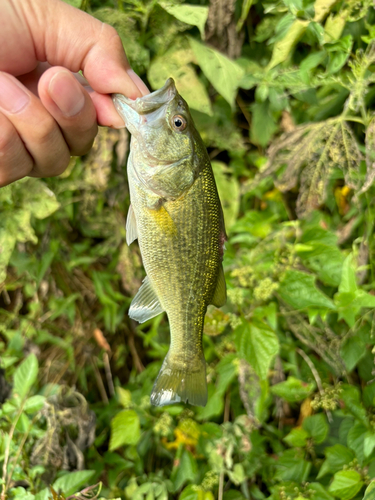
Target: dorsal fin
220 295
146 304
131 227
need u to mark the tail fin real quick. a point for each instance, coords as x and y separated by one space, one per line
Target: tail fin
176 384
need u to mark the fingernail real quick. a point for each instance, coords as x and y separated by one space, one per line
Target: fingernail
12 96
138 81
66 93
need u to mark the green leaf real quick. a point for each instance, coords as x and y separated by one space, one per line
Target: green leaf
229 192
176 64
263 124
72 482
34 404
346 484
246 4
237 475
317 31
297 437
319 492
334 26
195 15
317 427
75 3
68 484
352 351
298 290
352 399
125 429
25 376
348 282
336 457
193 492
7 244
339 53
324 258
356 440
293 389
370 491
224 74
257 343
185 471
291 466
369 443
20 493
284 47
39 199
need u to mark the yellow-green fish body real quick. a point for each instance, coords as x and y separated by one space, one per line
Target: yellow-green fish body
177 217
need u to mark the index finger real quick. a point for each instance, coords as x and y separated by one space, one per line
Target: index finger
65 36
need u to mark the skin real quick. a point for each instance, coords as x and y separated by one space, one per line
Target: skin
47 113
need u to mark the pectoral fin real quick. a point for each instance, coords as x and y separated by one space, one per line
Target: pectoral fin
131 227
145 304
220 295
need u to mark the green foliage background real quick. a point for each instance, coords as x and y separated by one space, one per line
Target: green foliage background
283 94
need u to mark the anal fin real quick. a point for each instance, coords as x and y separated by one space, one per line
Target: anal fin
131 227
220 295
146 304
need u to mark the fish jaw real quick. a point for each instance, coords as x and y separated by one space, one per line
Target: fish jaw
134 112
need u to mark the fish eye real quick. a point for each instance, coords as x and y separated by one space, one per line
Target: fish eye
179 123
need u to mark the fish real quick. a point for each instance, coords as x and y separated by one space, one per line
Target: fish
176 215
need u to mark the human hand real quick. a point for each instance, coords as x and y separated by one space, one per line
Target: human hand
46 114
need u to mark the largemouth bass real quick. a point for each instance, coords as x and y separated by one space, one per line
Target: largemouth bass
177 217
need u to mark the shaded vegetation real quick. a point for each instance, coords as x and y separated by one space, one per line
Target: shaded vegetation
283 96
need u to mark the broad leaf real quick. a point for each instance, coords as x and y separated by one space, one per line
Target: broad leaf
258 344
186 470
346 484
283 48
298 290
176 64
25 376
370 491
336 457
196 15
297 437
317 427
293 389
229 192
73 481
224 74
125 429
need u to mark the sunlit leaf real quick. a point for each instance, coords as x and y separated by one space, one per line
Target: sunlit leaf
25 376
125 429
346 484
257 343
196 15
224 75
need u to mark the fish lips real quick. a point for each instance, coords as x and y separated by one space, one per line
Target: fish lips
149 109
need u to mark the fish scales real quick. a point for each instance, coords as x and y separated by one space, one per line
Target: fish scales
180 239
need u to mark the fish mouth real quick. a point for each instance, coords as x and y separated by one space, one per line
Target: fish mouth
149 109
146 104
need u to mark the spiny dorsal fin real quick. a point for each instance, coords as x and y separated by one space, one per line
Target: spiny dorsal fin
131 227
220 295
145 304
